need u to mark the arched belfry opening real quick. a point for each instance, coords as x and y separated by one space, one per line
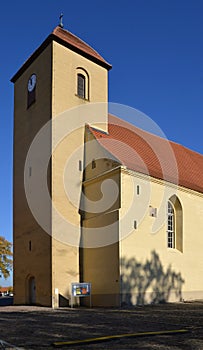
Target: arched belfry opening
83 83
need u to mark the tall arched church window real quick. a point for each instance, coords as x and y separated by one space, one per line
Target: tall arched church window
171 226
174 224
83 88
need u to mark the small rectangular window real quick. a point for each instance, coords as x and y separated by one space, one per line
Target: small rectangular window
93 164
135 225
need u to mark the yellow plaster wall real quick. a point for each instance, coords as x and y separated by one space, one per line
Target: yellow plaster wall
147 264
68 130
104 161
65 64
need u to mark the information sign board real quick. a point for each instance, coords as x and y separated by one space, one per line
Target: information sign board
80 290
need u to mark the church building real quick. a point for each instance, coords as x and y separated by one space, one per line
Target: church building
97 200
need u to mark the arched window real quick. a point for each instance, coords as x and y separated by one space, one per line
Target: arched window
83 89
174 224
171 226
81 85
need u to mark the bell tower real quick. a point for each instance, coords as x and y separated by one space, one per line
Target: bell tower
54 87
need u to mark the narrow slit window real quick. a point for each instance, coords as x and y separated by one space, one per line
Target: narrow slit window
138 190
93 164
80 165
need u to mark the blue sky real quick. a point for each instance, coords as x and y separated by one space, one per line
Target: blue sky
155 47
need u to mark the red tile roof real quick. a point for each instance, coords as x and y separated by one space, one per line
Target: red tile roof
77 43
69 40
4 289
146 153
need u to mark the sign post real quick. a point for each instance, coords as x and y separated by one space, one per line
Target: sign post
79 290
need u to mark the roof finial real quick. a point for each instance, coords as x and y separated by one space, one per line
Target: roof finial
61 20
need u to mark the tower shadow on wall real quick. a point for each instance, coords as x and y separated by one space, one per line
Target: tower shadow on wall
149 282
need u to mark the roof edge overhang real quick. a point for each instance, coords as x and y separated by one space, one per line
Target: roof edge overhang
167 178
52 37
185 186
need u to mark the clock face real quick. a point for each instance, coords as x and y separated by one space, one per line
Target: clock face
32 82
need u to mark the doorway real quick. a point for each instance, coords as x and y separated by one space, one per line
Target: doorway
32 291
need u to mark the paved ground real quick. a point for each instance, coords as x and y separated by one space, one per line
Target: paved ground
38 328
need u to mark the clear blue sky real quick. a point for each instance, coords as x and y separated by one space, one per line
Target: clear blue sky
155 47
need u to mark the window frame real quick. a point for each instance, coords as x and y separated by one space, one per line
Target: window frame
81 73
171 234
81 82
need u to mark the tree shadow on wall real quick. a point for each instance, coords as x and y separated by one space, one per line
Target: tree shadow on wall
149 282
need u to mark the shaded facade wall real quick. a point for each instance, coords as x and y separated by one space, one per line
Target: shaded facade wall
150 271
100 264
99 254
32 245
